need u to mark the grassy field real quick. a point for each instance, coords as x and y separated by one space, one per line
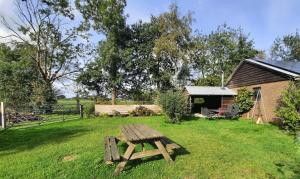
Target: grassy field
212 149
73 101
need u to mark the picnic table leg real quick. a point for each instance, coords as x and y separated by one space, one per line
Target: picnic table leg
126 157
143 147
163 150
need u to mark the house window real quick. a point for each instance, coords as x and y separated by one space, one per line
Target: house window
198 100
257 94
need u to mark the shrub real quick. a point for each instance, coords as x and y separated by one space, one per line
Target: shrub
141 111
104 115
174 105
89 110
131 113
289 106
244 100
115 113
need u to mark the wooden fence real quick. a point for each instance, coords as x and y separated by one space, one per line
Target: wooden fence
123 109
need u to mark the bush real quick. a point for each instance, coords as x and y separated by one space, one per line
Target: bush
89 110
289 107
174 105
116 113
104 115
141 111
244 100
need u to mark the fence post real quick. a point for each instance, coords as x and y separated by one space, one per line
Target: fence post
63 111
2 116
81 111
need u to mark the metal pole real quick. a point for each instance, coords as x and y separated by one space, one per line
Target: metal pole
222 79
2 116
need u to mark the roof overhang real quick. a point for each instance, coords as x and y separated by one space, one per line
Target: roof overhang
209 91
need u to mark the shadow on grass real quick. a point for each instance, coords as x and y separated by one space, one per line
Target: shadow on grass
17 140
295 167
133 163
192 118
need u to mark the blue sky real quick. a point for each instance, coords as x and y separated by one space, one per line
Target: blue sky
263 19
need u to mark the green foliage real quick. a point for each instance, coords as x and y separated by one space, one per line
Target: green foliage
107 17
89 110
287 47
116 113
104 115
289 106
141 111
50 50
132 59
244 100
103 16
171 62
174 105
209 80
17 75
220 51
53 41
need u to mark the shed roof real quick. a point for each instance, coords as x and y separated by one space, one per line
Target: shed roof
210 90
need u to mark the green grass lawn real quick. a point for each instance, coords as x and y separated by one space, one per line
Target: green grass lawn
213 149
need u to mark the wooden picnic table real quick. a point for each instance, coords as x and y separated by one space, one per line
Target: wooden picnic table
135 134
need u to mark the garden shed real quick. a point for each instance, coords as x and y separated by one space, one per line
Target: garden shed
211 97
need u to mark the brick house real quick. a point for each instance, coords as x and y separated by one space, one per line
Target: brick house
267 79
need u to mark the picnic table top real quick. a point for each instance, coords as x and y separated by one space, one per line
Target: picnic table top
139 132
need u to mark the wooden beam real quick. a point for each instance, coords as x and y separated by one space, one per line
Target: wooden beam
146 153
163 150
126 157
107 152
114 150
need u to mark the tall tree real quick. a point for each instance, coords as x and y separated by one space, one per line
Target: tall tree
169 67
220 52
44 26
107 17
287 48
17 75
139 58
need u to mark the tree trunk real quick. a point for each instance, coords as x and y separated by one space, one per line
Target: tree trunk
113 95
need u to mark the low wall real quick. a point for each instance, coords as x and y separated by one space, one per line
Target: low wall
123 109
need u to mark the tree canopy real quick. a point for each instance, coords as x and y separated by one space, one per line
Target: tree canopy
132 61
220 51
287 48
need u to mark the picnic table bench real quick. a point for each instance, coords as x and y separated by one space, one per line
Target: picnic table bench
133 135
